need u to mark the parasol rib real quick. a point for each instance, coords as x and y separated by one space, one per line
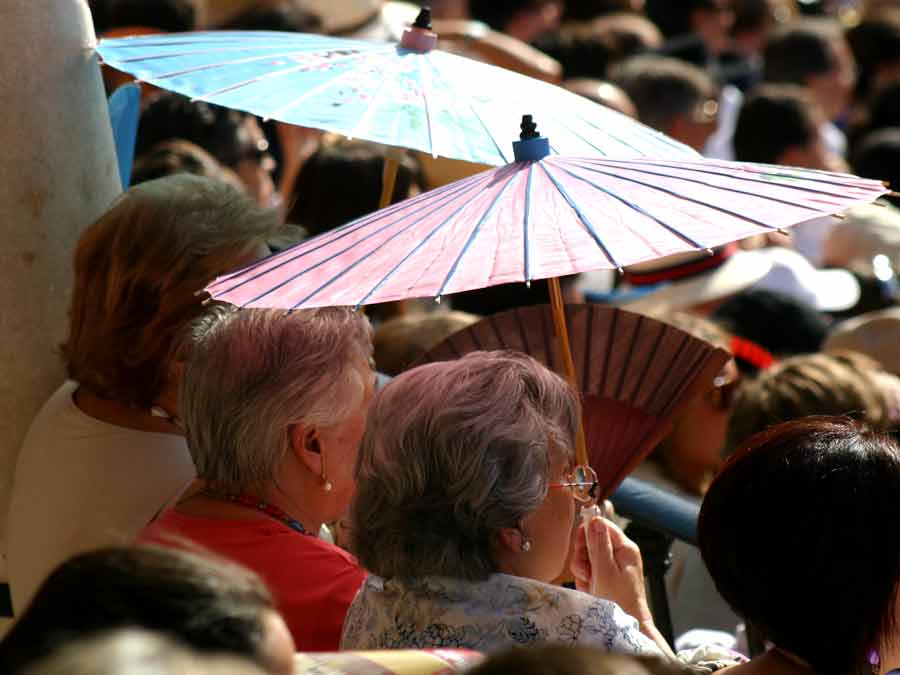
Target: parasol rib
704 183
584 219
638 209
475 231
448 198
672 193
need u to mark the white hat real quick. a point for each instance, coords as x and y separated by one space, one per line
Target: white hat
683 281
875 334
791 274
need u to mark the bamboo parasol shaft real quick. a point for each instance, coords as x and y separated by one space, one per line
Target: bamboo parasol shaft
565 356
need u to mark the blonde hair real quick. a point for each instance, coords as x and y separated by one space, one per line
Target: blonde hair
137 271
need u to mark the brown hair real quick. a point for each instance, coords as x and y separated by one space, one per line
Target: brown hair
811 384
137 271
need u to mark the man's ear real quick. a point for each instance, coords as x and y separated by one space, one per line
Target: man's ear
307 447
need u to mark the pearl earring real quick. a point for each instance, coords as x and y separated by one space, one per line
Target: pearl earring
526 546
326 484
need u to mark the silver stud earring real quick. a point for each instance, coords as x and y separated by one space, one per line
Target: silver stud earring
526 545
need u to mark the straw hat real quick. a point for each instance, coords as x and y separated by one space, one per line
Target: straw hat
865 232
876 334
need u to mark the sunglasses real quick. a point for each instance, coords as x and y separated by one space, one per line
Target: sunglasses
583 482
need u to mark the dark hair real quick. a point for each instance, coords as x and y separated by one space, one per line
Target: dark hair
800 49
884 111
287 15
566 660
877 155
179 156
171 16
796 533
585 10
214 128
772 120
498 13
342 181
781 323
588 49
674 17
663 88
875 42
204 602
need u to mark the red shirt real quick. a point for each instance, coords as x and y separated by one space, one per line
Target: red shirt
313 582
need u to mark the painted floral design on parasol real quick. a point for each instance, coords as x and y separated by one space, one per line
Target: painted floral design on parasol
409 95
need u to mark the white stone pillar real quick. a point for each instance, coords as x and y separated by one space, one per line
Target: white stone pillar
57 174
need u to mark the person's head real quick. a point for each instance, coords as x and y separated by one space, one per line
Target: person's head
780 323
671 96
779 124
586 10
877 156
590 49
524 20
179 156
456 471
130 651
884 111
812 53
234 138
710 20
276 401
403 339
288 16
170 16
754 20
809 384
797 525
342 181
138 269
204 602
875 43
567 660
692 452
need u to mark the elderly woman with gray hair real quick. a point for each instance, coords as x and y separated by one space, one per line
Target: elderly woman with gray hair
465 511
274 406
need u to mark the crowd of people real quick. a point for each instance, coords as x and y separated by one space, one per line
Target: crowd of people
213 490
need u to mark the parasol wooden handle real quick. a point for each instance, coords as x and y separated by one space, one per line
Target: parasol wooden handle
388 179
565 356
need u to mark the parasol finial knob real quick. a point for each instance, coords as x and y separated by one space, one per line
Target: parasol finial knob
529 128
532 147
423 21
419 36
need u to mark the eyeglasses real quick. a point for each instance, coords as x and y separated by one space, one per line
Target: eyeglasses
724 390
583 482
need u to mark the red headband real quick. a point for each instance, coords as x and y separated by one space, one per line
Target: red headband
681 271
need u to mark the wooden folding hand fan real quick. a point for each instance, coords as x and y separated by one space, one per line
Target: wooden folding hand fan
635 373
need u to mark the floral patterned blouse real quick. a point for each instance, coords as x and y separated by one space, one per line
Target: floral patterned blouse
500 612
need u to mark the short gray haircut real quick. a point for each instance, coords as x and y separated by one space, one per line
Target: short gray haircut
253 373
453 452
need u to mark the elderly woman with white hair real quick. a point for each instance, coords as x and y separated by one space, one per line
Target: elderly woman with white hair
466 504
274 406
